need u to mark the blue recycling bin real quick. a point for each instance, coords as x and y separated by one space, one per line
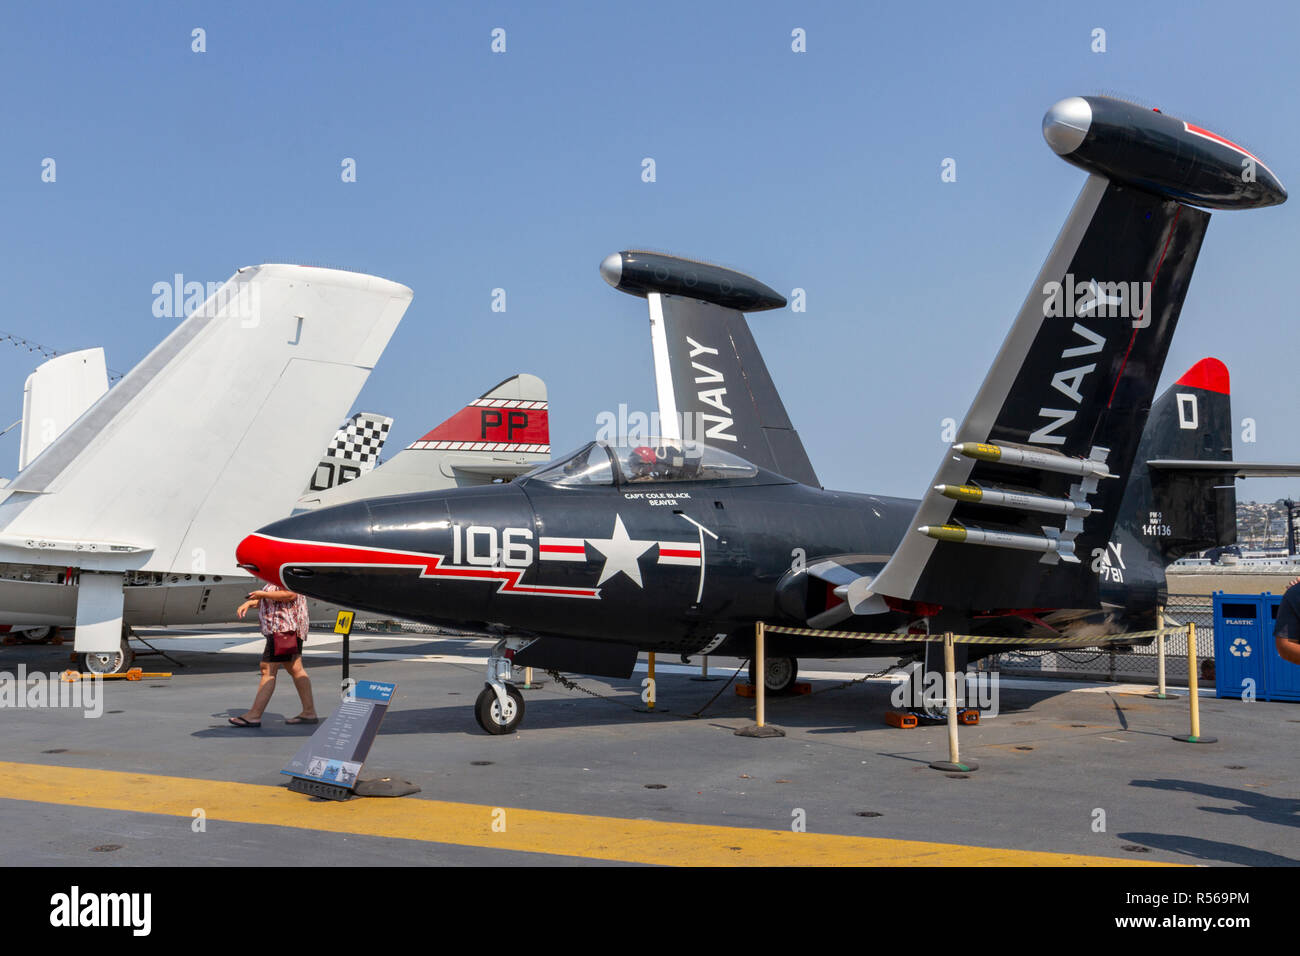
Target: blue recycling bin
1245 656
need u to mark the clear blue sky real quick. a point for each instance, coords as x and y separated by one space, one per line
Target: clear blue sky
522 170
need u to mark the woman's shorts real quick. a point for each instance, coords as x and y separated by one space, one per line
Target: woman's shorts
269 656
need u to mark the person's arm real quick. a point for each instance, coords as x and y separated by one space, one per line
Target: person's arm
1286 632
1287 648
282 596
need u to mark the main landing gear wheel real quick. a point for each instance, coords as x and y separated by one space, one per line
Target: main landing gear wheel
35 635
780 676
108 662
490 715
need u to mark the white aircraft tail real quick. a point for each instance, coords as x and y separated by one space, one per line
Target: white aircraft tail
56 395
207 437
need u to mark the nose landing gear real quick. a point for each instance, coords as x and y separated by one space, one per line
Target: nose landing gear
497 715
500 707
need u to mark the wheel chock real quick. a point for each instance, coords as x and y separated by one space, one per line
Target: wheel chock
900 719
745 690
800 687
135 673
968 718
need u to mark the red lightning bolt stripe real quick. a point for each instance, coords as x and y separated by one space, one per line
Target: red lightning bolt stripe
272 555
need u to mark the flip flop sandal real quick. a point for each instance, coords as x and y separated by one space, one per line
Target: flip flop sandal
241 722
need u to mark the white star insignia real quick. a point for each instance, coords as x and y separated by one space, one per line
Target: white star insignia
621 553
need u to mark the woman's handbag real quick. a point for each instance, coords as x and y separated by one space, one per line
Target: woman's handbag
285 642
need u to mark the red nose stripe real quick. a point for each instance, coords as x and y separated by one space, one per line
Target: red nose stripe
273 555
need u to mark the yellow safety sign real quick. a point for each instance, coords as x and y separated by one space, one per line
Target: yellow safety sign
343 623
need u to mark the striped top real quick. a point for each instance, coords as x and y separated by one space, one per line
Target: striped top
277 617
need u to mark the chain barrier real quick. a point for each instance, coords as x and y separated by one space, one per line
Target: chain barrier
573 685
1045 642
890 638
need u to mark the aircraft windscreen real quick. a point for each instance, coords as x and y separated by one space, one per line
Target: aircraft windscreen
587 466
674 459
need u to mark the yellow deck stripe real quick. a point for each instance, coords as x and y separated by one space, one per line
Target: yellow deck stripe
529 831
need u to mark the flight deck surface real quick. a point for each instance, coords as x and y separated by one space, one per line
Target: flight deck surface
1070 773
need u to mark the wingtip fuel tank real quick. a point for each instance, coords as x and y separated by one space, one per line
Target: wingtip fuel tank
1159 153
641 273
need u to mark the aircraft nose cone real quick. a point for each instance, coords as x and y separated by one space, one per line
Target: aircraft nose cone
253 554
1274 188
303 537
1066 124
611 268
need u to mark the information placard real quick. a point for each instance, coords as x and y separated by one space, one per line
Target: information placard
335 753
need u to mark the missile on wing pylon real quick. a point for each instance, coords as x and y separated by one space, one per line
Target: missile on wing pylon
1014 499
1158 153
1024 458
1001 539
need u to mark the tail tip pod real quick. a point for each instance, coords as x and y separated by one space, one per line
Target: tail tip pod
1158 153
641 273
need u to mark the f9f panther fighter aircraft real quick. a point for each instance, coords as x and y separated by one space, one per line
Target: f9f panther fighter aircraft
1053 514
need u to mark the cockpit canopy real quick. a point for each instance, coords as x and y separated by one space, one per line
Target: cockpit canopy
643 461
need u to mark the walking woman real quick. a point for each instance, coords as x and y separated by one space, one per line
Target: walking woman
283 616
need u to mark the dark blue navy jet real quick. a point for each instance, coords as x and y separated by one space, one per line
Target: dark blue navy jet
1054 514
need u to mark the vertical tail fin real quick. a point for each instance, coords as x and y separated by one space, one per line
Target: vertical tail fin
512 416
502 433
712 382
1172 512
352 452
55 395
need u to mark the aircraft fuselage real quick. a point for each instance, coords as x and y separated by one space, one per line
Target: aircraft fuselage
668 566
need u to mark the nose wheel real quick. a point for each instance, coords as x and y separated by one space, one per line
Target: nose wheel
497 716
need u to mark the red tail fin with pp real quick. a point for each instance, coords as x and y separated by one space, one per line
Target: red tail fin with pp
512 417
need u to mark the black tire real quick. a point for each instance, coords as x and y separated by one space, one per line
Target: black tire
782 672
487 711
108 663
34 635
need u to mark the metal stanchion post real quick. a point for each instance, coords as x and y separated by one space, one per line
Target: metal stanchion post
1193 693
649 699
1160 657
760 728
954 762
704 671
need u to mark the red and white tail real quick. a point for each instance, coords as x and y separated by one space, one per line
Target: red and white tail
497 437
512 417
